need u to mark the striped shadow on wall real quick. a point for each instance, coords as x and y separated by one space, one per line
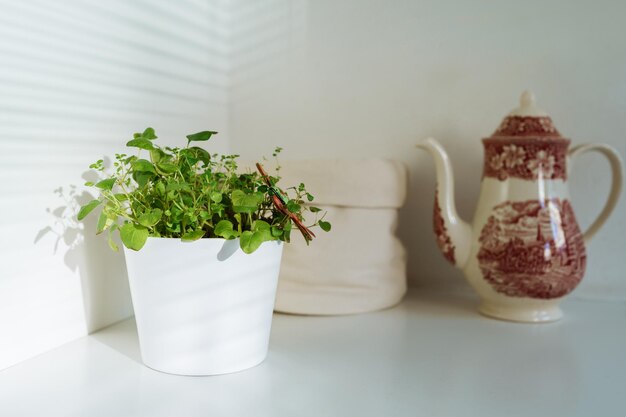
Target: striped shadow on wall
76 79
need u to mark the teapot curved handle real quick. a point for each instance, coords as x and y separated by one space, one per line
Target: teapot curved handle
617 175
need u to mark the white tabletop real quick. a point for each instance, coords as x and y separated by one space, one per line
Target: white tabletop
431 356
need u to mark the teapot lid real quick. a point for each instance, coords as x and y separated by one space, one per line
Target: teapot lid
527 121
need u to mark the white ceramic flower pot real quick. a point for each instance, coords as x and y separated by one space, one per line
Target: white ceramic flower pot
203 307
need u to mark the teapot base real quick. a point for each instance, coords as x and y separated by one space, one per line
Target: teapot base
519 314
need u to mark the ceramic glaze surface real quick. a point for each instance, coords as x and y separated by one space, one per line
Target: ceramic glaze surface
532 249
203 307
524 250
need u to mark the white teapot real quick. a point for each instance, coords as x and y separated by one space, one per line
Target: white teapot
524 250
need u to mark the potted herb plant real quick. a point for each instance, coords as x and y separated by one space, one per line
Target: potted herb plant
211 238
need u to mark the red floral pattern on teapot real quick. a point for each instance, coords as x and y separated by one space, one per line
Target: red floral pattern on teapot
441 232
525 158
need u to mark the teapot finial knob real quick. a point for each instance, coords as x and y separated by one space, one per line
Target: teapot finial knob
527 106
527 99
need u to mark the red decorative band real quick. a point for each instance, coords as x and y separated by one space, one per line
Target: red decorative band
525 158
520 126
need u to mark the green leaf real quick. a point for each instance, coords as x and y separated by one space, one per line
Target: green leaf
325 226
293 207
150 218
191 236
121 196
201 136
149 134
200 154
167 168
133 236
88 208
218 209
142 178
175 186
262 229
224 228
315 209
245 203
112 243
104 221
250 241
216 196
156 155
260 225
237 217
143 165
309 197
88 184
140 143
106 184
277 232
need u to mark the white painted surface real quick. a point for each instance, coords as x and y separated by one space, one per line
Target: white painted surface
431 356
77 78
369 78
204 307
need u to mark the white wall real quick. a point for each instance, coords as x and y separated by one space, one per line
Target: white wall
77 78
361 78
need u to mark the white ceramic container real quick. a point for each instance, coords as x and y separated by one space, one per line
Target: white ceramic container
524 250
203 307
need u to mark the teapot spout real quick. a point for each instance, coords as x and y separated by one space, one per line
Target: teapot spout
453 234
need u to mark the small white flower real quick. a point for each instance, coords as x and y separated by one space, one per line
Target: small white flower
496 162
513 156
542 162
546 125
